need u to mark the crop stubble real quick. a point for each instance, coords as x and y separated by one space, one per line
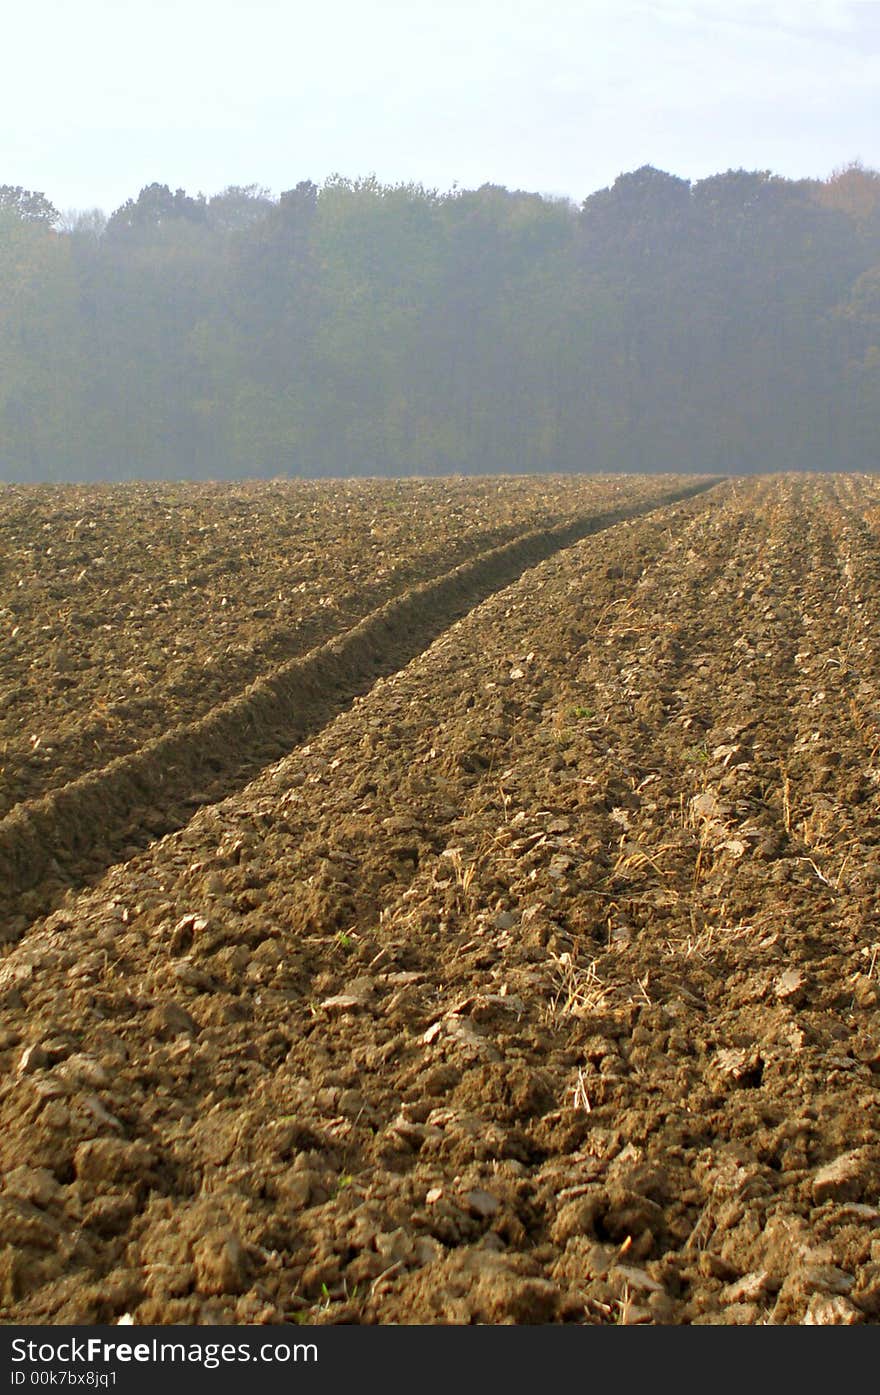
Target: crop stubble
541 985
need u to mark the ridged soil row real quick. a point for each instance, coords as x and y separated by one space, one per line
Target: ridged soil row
429 850
75 832
516 996
84 680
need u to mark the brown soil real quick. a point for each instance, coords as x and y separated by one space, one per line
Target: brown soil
130 608
543 984
84 824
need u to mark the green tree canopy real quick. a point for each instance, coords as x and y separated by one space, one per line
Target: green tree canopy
359 327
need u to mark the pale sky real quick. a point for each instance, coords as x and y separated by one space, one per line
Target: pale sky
100 97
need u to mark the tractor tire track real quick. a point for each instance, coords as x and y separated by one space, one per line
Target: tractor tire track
71 835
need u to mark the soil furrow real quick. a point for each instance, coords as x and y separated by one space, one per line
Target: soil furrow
74 833
534 988
389 801
126 610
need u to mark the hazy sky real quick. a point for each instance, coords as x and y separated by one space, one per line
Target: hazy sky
100 97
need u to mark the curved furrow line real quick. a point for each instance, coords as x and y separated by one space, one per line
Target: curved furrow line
74 833
518 989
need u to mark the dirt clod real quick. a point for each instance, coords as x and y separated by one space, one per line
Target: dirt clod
539 984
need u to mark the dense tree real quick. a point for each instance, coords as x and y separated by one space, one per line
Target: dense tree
356 327
25 204
156 207
41 408
239 207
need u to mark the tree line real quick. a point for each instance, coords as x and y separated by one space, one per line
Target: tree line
357 328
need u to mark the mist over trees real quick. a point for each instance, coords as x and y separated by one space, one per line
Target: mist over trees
357 328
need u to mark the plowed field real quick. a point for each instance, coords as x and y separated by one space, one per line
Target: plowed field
129 608
539 983
161 649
